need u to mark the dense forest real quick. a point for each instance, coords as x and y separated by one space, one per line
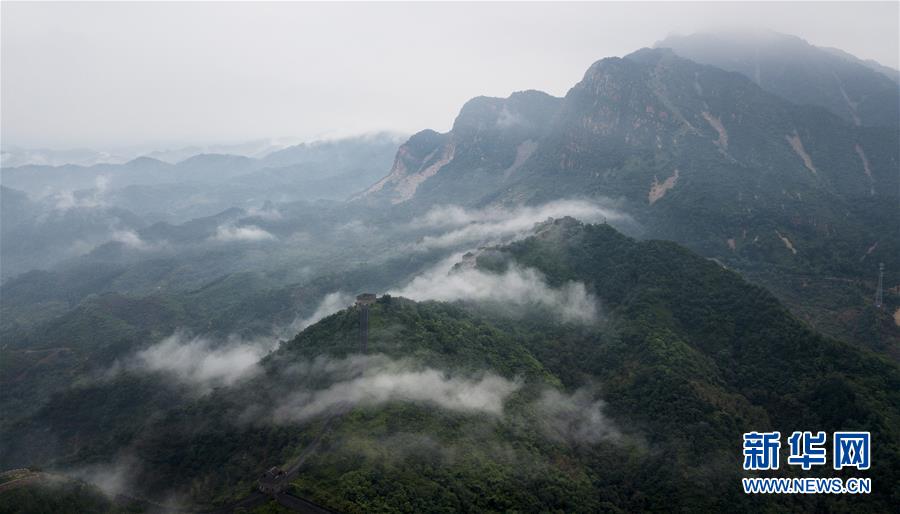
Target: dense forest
650 396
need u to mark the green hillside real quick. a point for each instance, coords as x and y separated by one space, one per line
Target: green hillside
643 410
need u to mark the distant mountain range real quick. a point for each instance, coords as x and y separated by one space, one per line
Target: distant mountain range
331 158
699 155
60 212
203 184
14 156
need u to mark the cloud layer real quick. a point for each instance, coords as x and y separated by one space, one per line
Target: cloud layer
68 199
112 478
133 240
331 303
372 381
245 233
200 361
517 287
482 226
577 418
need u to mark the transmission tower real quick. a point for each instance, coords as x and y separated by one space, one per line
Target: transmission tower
879 291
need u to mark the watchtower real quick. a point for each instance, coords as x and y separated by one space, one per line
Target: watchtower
879 291
272 481
363 301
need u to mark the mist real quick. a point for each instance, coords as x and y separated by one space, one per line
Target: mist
515 287
555 205
112 478
68 199
331 303
200 362
495 224
251 233
376 380
575 418
132 240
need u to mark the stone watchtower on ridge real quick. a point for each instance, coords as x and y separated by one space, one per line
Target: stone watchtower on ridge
363 301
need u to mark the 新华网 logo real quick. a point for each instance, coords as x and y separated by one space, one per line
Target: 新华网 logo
807 449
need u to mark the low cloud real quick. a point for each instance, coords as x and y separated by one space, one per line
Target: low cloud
132 240
517 287
266 212
576 419
206 362
357 227
508 119
68 199
112 478
372 381
496 224
331 303
232 233
199 361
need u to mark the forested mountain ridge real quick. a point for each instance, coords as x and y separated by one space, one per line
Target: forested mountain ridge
652 396
693 349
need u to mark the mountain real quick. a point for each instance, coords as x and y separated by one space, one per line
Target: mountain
205 183
689 334
697 155
490 139
467 407
51 214
256 149
340 154
861 92
12 156
685 142
46 493
40 234
193 326
41 180
891 73
15 206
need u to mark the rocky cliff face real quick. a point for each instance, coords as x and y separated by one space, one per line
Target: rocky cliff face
694 153
653 108
417 159
490 135
701 119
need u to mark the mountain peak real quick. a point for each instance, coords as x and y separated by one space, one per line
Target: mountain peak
651 55
146 161
522 107
214 158
862 93
490 134
744 36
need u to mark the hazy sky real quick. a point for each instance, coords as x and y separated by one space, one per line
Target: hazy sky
108 75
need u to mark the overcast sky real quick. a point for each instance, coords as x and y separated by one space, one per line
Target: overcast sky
108 75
